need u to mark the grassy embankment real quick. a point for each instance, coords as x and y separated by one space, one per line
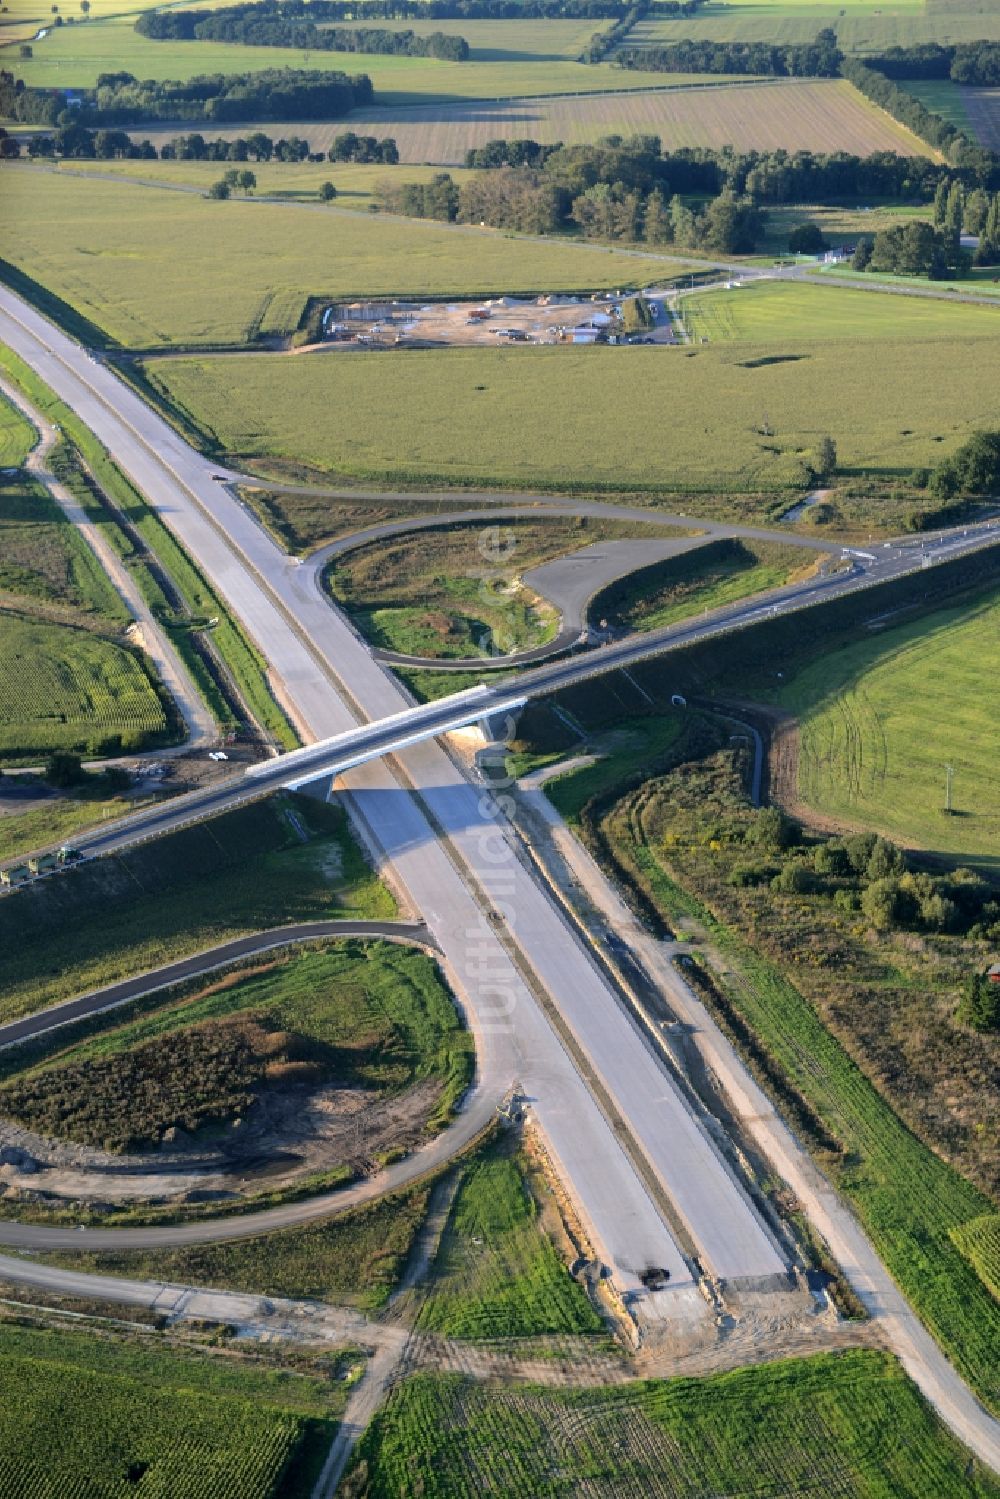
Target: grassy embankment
720 573
374 1018
449 415
194 603
497 1274
458 590
848 1423
135 1415
243 872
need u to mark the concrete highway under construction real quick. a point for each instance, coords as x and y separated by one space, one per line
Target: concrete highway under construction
651 1183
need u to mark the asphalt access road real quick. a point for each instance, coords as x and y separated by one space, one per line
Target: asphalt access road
224 953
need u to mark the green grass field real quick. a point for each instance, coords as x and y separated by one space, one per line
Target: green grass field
44 559
631 751
16 437
457 591
861 25
838 224
372 1017
881 719
64 688
497 1274
850 1425
72 57
670 419
186 270
243 872
783 311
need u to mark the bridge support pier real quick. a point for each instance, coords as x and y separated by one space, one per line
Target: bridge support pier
499 728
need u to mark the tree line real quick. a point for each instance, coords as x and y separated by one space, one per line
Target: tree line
80 143
973 63
960 150
271 94
533 201
278 25
819 59
766 176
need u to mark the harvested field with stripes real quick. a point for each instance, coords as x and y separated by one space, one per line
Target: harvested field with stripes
819 115
982 107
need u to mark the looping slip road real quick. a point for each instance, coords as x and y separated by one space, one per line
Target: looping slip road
475 1115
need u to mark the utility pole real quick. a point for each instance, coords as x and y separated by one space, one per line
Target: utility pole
949 773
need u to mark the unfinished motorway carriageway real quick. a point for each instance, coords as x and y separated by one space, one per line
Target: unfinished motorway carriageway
650 1183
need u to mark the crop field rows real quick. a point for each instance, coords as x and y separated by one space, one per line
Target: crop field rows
782 310
861 25
880 721
982 105
849 1426
69 691
818 115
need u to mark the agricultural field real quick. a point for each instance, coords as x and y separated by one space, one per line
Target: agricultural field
861 25
982 105
190 271
693 416
243 872
73 57
457 591
119 1435
65 688
880 719
497 1273
16 439
845 1424
43 558
839 224
717 574
816 115
979 1241
375 1019
784 310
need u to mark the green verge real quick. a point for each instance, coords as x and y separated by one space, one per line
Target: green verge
134 1417
497 1274
850 1424
908 1199
245 871
43 558
718 573
355 1258
241 658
